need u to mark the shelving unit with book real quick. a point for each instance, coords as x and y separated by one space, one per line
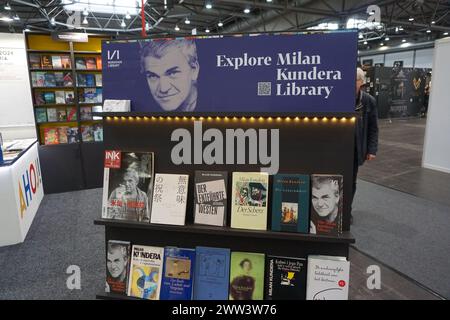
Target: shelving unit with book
64 75
326 147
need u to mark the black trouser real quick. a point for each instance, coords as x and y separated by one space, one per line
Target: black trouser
355 175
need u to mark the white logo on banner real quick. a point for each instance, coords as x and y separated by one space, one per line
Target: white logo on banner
113 57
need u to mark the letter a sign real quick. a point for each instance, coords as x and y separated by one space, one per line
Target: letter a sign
112 159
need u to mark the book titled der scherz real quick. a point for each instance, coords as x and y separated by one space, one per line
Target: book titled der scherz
326 204
212 273
290 203
169 199
249 200
117 266
146 272
178 274
328 278
210 197
285 278
127 185
246 276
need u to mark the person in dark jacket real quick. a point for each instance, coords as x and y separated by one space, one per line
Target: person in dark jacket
366 131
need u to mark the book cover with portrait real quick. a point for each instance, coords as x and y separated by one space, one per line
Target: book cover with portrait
146 272
326 204
117 266
247 276
290 203
249 200
127 185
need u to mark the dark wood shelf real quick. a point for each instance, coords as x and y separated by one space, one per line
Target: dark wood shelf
56 70
83 87
114 296
87 52
87 70
48 51
55 87
346 237
50 122
54 105
89 103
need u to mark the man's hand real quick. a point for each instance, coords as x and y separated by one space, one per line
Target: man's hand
370 157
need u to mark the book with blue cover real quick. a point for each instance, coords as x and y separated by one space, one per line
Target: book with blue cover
90 80
178 274
212 273
290 203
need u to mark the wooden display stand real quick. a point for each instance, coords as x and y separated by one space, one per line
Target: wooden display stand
308 144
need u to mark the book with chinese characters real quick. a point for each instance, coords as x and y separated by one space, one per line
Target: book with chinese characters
326 204
249 200
127 185
178 274
210 197
327 278
246 276
146 272
117 266
290 203
169 199
285 278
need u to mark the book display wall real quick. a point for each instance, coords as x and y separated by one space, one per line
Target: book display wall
226 204
66 87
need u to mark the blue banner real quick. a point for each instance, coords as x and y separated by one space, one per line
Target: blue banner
264 73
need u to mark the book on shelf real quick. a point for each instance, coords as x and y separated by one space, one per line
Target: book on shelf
178 274
169 199
50 79
80 63
127 185
249 200
72 135
34 83
90 80
61 114
85 113
46 61
290 203
246 276
68 80
97 109
98 132
41 115
59 79
51 136
62 134
35 61
146 272
81 80
99 62
69 97
49 97
98 79
326 204
210 197
99 93
327 278
60 97
65 62
212 273
87 133
39 98
285 278
57 62
40 78
91 63
52 115
71 113
117 266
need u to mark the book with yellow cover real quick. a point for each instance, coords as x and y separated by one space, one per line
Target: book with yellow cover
249 200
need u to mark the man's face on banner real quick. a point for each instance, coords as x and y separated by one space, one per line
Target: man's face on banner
116 263
324 199
170 78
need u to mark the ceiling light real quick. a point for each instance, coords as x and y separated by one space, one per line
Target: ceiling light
208 5
177 28
123 24
85 21
400 28
187 21
127 16
405 45
445 33
365 42
360 36
16 17
147 26
381 44
404 40
411 19
433 22
246 10
27 29
6 19
269 0
220 24
428 31
52 21
207 30
85 12
7 6
386 39
116 7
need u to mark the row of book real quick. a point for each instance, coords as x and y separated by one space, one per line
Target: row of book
90 95
46 61
66 134
207 273
53 97
88 63
63 114
89 80
51 79
162 198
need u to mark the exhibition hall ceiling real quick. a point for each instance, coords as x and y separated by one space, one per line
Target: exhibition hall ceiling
388 20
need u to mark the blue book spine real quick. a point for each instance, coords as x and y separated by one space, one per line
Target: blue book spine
178 274
290 203
212 273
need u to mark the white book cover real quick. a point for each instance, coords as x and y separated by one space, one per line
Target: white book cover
116 105
249 200
145 276
60 97
210 198
169 199
328 278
